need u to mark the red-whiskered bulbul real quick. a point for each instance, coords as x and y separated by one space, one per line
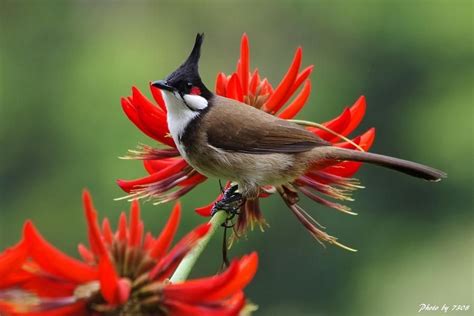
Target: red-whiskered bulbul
225 138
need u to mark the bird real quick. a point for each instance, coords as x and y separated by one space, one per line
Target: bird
227 139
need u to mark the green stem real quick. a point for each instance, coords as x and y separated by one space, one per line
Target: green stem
186 265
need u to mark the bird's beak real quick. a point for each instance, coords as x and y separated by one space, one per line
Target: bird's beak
163 85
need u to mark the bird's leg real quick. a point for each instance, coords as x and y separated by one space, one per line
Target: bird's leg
230 202
220 185
225 257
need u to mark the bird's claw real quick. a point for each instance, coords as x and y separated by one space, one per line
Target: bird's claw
230 202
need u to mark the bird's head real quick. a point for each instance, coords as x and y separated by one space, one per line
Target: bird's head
184 87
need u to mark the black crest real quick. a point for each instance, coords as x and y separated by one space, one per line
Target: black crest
187 75
193 59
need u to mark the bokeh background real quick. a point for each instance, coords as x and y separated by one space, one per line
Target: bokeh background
65 65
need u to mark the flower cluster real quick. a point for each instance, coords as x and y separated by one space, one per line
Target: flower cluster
170 176
125 272
130 272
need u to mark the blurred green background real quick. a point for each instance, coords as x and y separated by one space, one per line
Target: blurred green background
64 67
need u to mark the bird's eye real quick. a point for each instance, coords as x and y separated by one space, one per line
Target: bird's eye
189 84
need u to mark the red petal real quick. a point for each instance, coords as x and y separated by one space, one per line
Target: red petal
15 278
221 84
152 166
132 115
128 185
230 307
107 231
124 289
197 290
247 269
54 261
357 114
194 179
158 96
338 125
274 103
254 82
148 241
86 255
365 140
299 80
134 228
122 227
49 287
234 90
12 258
205 210
266 87
145 122
95 237
109 280
168 264
291 110
349 168
344 169
162 243
244 64
76 309
152 119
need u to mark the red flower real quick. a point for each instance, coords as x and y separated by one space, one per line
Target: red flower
171 177
123 272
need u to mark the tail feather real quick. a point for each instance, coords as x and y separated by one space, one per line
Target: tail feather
405 166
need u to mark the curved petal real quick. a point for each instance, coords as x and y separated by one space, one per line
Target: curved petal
357 114
247 269
95 236
156 165
234 90
193 291
109 280
254 82
107 231
12 258
54 261
338 125
170 261
274 103
74 309
194 179
347 169
221 84
129 185
294 107
300 79
206 210
86 255
163 242
158 96
153 119
230 307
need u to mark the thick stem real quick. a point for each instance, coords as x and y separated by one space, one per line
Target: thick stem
186 265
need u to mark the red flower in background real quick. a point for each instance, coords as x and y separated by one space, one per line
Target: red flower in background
171 177
123 272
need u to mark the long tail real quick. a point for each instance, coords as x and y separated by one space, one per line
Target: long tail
405 166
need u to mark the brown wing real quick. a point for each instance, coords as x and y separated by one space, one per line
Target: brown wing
235 126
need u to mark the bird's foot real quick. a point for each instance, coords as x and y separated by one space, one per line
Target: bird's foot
230 202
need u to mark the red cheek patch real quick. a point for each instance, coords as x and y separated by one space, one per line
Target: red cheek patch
196 91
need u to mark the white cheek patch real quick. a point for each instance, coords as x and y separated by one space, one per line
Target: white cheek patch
195 101
179 115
